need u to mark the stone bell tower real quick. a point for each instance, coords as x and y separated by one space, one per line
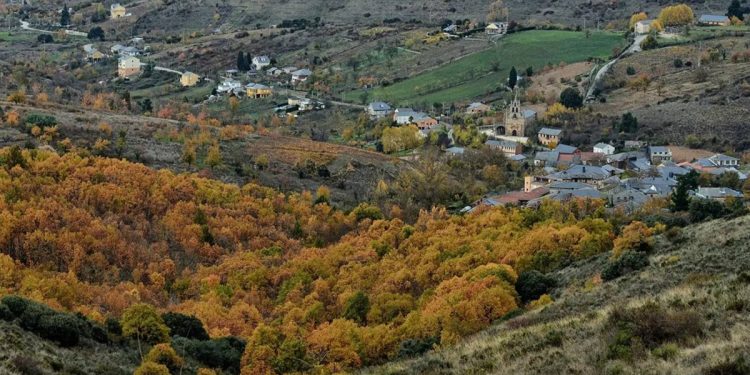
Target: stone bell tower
515 122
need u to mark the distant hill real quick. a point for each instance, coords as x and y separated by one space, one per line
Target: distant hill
696 280
364 12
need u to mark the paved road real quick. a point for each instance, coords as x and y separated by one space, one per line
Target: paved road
25 25
163 69
635 47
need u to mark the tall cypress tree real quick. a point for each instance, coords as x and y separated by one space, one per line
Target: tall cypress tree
65 16
242 64
512 78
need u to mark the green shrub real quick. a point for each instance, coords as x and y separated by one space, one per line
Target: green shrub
33 314
357 307
61 328
113 326
630 70
185 326
413 347
16 304
5 313
628 262
27 365
532 284
366 211
224 353
666 352
42 121
647 327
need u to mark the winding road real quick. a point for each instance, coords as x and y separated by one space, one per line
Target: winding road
635 47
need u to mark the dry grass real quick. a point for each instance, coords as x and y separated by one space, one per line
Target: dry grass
676 104
682 154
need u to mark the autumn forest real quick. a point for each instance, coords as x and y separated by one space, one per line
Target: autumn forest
288 274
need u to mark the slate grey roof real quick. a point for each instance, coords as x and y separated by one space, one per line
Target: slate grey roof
547 156
379 106
578 172
659 150
709 18
569 185
565 149
501 143
550 131
302 72
717 193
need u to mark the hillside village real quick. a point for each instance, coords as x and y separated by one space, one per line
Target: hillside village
323 188
557 164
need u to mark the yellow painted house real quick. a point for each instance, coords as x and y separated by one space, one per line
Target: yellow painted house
189 79
117 11
257 91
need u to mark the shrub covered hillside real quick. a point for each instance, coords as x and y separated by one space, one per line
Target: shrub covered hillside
685 310
308 287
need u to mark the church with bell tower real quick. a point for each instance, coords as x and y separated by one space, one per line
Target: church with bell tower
517 119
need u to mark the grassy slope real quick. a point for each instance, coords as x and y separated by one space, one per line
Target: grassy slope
698 273
474 75
18 346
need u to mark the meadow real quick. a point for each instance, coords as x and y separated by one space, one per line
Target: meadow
486 71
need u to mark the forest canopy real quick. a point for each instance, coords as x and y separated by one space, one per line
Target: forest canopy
288 273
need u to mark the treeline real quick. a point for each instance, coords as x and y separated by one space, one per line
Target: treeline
309 287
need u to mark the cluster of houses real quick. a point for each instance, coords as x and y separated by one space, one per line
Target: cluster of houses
507 137
404 116
626 180
644 27
251 90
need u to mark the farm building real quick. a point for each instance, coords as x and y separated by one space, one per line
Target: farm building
496 28
714 20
